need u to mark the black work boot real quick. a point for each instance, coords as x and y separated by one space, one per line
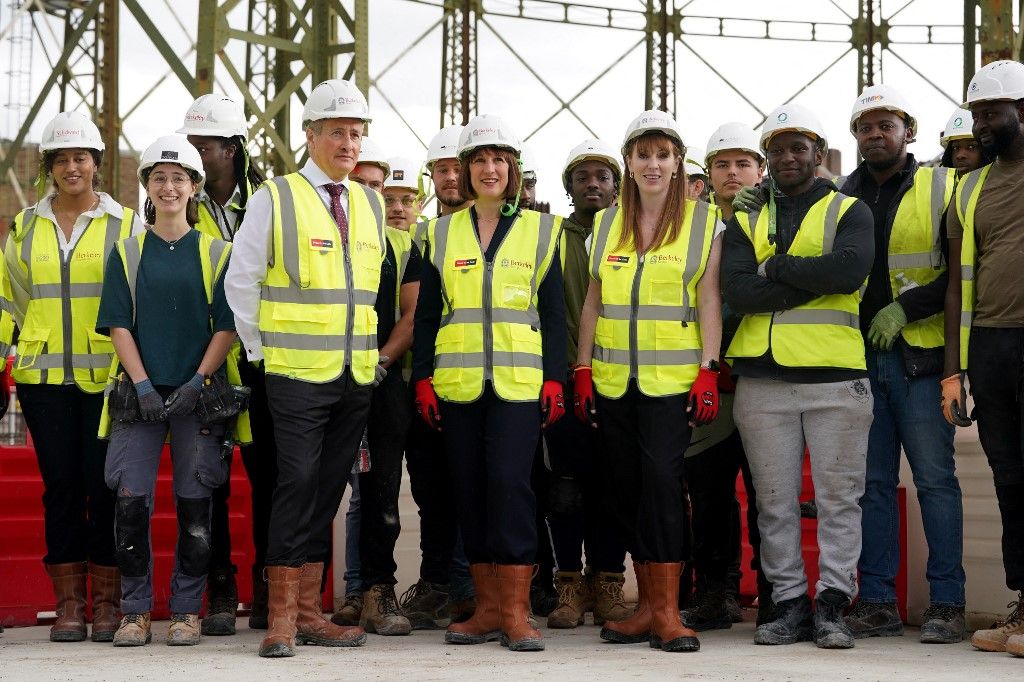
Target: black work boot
221 602
943 624
875 619
260 596
765 605
709 610
792 622
426 605
830 630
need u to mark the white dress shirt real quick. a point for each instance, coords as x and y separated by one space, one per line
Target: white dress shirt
251 255
224 216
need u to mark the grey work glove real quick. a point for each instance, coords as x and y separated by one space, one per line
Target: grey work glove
379 373
183 400
151 406
750 199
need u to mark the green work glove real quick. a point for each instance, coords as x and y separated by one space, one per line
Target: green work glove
749 199
886 326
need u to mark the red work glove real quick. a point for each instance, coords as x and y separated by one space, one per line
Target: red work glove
954 400
583 395
426 403
703 407
552 402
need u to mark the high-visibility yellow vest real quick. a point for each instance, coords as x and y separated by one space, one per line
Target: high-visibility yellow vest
209 225
419 235
824 333
213 258
401 244
58 343
6 314
316 305
647 326
967 193
490 326
915 246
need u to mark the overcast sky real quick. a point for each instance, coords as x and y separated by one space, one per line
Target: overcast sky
766 71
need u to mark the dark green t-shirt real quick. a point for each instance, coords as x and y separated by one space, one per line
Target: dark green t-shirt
172 329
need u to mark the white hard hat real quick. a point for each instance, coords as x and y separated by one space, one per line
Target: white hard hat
405 173
371 154
172 149
487 130
445 145
694 161
336 98
882 97
592 150
960 126
1001 80
792 117
529 163
734 135
71 130
653 121
215 116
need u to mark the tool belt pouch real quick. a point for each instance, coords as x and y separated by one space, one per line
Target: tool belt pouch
220 401
921 362
123 401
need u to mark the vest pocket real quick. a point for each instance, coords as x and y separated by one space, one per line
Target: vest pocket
99 345
666 292
31 344
448 354
515 296
527 354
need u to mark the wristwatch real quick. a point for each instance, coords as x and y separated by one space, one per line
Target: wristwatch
712 365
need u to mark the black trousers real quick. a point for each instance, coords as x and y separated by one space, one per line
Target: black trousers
431 487
387 431
260 461
996 370
540 481
78 506
317 428
578 515
645 439
491 444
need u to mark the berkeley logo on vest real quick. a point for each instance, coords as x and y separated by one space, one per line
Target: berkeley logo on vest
664 258
370 246
513 263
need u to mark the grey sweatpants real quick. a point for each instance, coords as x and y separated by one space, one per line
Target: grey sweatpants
776 420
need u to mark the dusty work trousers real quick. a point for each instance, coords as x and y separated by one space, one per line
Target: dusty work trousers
644 440
777 420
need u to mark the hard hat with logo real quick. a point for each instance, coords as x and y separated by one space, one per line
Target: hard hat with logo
444 145
734 135
487 130
882 97
371 154
171 149
653 121
215 116
694 161
959 127
592 150
1000 80
529 163
71 130
792 117
405 174
336 98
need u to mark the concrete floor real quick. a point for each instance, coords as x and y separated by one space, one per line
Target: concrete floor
25 654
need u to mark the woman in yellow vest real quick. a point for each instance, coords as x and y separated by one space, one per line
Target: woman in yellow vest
648 347
164 308
489 355
54 259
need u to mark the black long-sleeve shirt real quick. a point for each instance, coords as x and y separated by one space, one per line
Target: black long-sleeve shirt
790 281
550 308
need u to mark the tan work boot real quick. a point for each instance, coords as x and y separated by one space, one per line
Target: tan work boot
106 601
571 590
636 627
514 603
609 601
381 613
183 630
312 627
282 612
351 611
69 586
485 623
134 630
995 639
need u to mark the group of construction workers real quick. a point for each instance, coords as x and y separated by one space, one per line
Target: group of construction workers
702 316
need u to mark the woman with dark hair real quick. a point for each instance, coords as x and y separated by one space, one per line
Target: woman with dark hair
54 259
164 308
649 341
489 357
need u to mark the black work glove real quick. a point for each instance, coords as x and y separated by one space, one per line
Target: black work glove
183 400
151 406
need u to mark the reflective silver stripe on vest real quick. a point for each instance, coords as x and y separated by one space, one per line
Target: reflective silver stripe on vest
813 316
217 249
832 222
903 261
476 316
619 356
47 361
967 273
133 256
6 304
316 296
939 180
602 239
968 183
695 249
289 229
966 318
113 234
752 219
437 251
499 359
332 342
27 223
77 290
657 313
373 199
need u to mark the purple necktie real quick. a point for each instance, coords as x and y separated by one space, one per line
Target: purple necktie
339 214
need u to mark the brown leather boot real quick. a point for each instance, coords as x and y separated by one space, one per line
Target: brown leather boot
636 628
485 623
106 601
381 613
514 599
313 628
571 591
609 603
283 609
668 632
69 586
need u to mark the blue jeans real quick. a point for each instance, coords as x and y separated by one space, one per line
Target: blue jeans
353 517
907 414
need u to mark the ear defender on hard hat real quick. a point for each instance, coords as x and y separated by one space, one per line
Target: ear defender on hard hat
508 210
